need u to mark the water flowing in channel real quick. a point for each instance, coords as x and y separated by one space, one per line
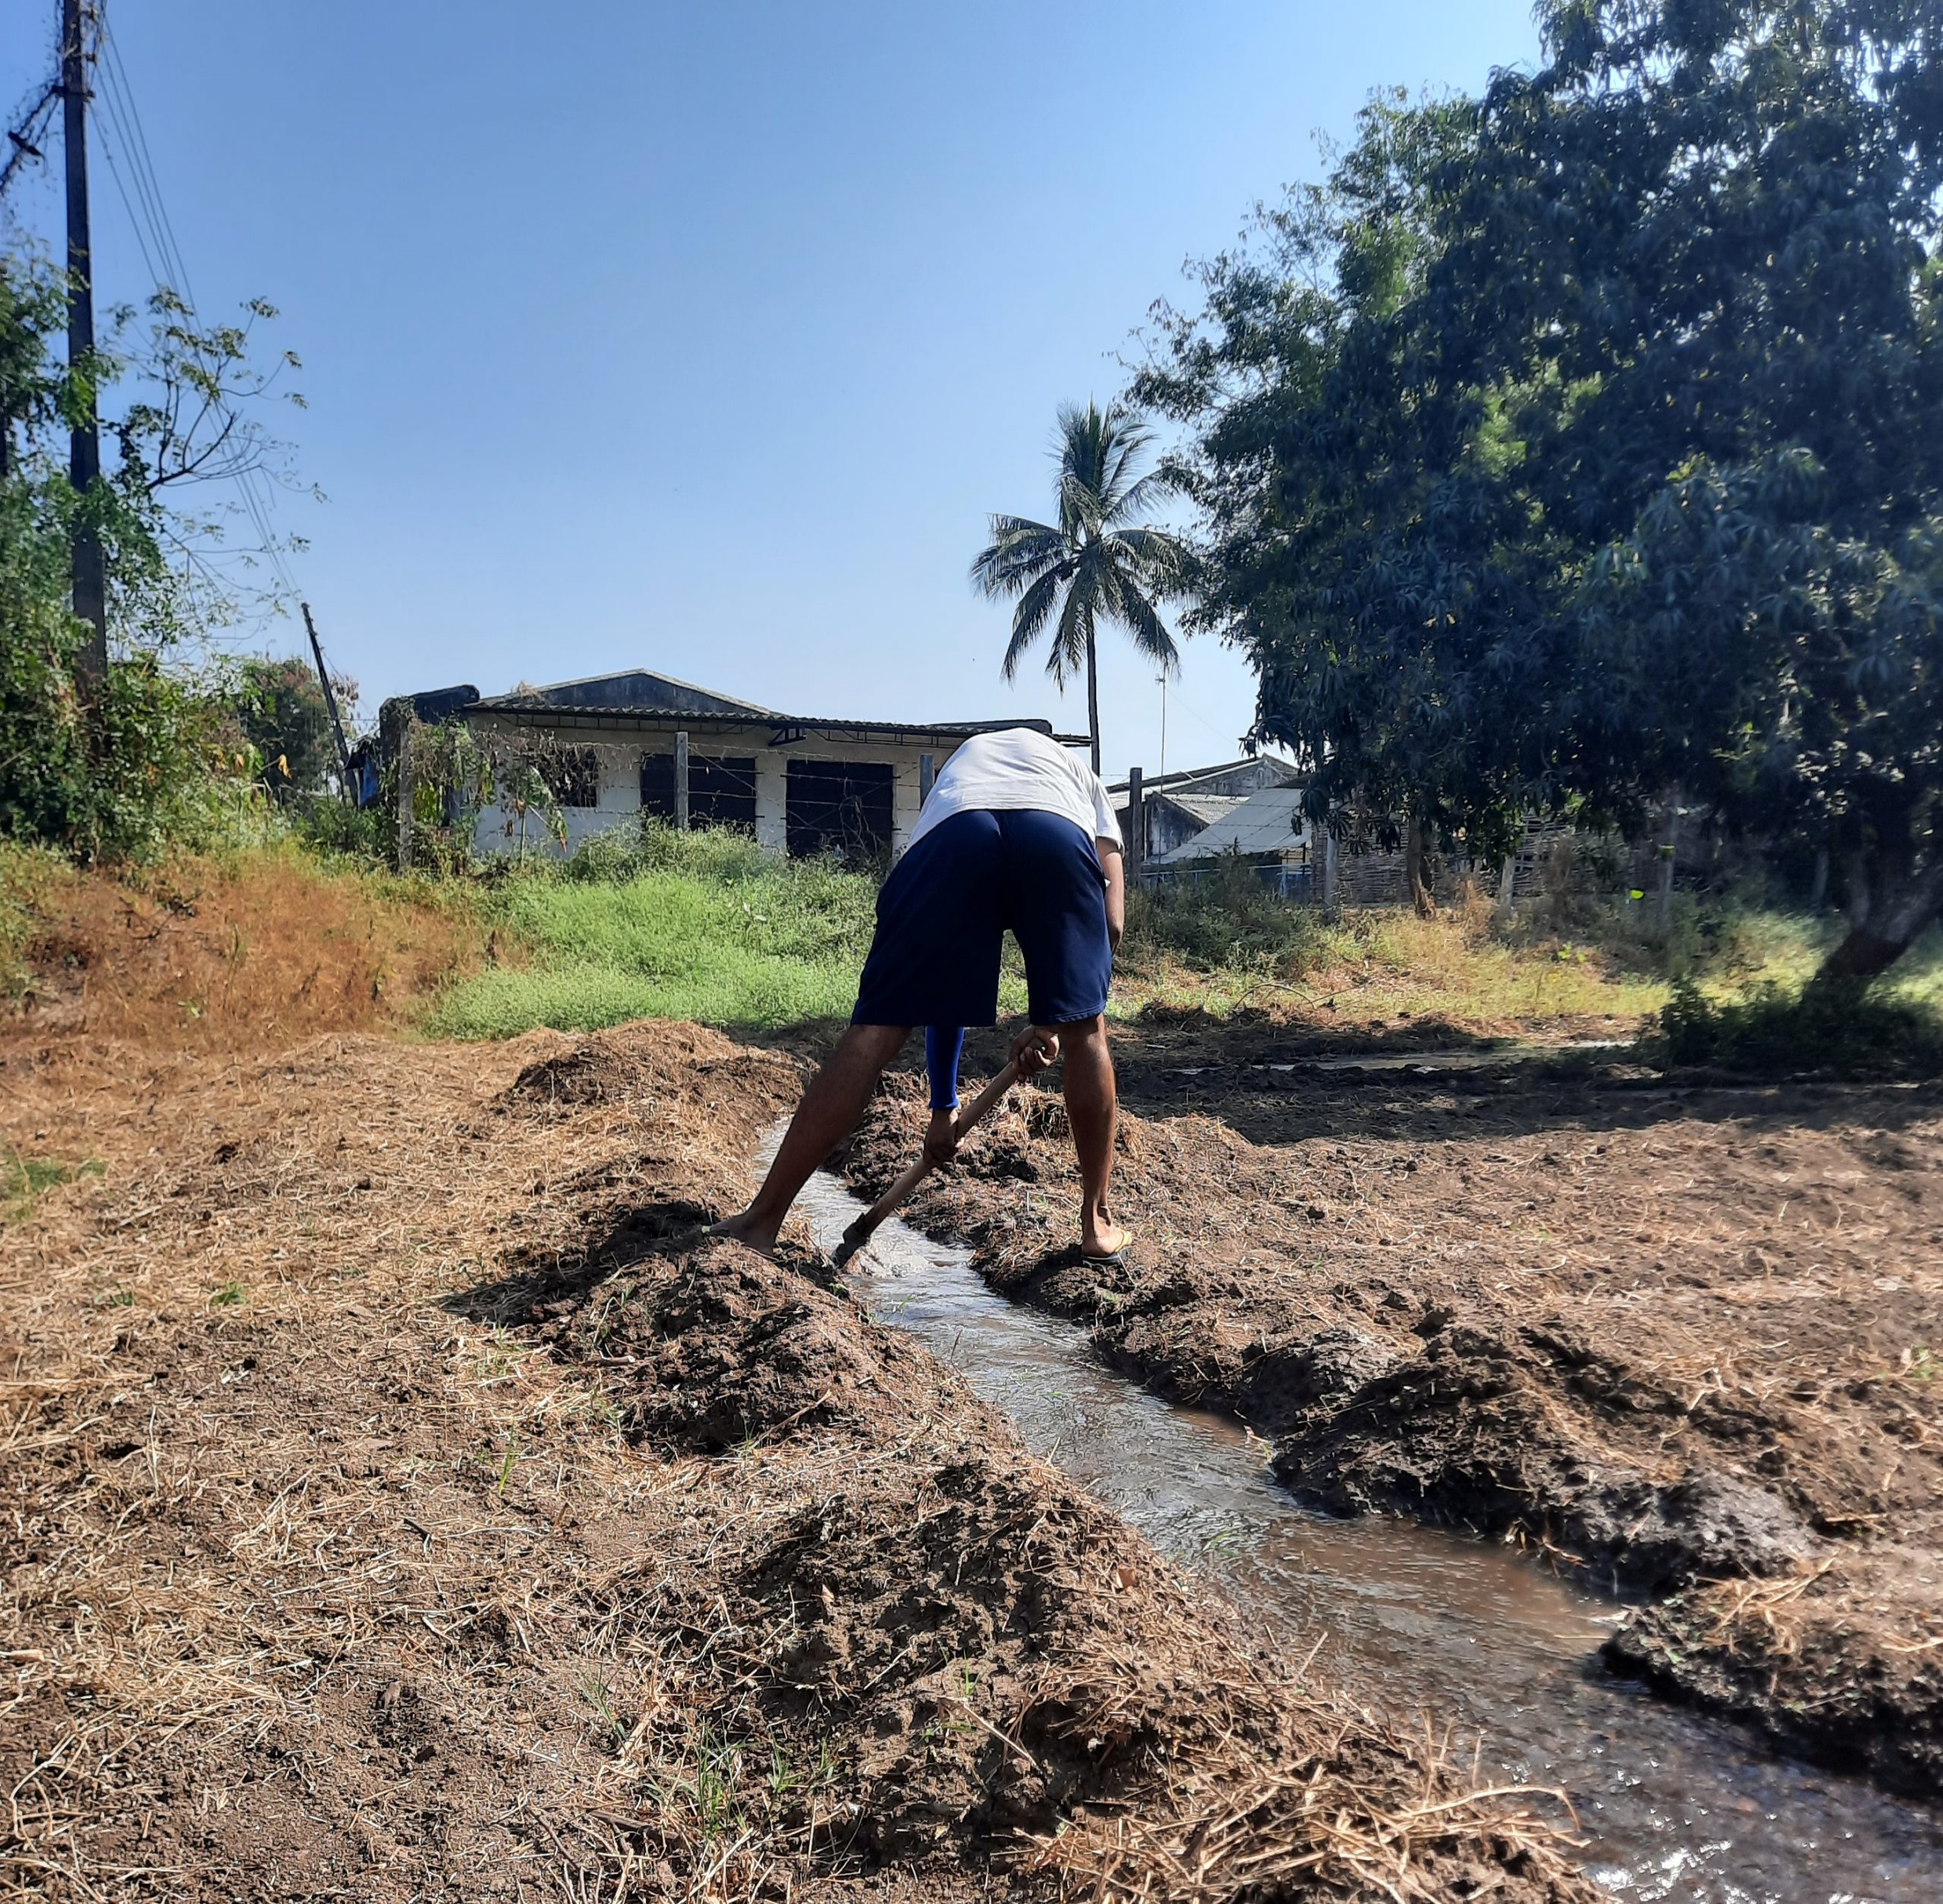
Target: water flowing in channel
1674 1810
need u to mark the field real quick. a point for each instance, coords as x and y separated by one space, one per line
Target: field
403 1494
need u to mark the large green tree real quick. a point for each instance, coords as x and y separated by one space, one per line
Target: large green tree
279 703
113 771
1098 562
1587 439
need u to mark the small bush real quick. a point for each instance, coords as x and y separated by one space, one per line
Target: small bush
1230 918
27 874
338 830
1775 1032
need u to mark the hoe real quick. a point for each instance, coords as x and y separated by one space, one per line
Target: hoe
860 1232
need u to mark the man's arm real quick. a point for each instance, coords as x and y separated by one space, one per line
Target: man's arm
1113 863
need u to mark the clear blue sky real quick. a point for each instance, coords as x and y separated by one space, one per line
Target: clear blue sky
704 337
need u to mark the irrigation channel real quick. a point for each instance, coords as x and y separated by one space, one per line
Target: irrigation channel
1671 1806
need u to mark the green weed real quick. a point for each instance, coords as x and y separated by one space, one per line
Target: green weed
1773 1031
230 1292
704 926
23 1179
595 1691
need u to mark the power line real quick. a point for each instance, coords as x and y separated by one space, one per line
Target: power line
155 237
21 137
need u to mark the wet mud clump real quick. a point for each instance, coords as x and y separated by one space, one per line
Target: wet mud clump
1675 1342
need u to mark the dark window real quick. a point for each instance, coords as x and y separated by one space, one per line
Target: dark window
721 792
840 806
572 775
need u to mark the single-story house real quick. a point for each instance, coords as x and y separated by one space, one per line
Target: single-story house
1290 853
611 746
1268 830
1176 807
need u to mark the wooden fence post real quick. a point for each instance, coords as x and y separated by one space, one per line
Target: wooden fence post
1136 827
680 783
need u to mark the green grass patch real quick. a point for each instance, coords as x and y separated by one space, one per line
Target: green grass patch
27 874
23 1179
1228 943
704 925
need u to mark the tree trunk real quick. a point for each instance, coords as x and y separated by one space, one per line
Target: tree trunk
1891 900
1092 694
1413 870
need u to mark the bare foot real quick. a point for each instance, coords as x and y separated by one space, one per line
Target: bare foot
743 1227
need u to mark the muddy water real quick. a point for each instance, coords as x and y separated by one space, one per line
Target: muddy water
1671 1807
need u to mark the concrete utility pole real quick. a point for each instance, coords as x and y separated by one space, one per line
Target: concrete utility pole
89 580
330 704
680 783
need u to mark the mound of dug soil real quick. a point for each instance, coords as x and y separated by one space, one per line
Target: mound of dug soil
404 1497
1678 1340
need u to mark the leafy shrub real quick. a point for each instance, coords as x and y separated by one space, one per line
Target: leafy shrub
280 707
117 782
1775 1032
338 830
1229 917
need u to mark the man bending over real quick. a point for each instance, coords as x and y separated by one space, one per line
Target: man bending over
1016 833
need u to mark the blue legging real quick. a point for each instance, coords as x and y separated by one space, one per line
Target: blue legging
944 1044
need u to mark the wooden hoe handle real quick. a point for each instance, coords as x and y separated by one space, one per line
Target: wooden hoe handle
859 1232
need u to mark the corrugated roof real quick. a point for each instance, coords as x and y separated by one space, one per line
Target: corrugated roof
629 688
1207 808
1270 821
1186 778
539 714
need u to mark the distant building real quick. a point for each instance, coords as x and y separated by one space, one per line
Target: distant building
606 746
1267 831
1177 807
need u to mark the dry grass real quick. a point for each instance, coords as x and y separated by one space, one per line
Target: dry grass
253 952
1239 1821
1387 967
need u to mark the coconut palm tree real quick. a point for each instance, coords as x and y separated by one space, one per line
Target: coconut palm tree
1105 563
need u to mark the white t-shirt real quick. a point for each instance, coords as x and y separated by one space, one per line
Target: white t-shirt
1017 768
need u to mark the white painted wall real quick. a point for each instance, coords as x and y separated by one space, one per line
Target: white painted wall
620 756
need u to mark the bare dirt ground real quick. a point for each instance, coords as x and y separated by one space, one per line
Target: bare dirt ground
1685 1342
400 1498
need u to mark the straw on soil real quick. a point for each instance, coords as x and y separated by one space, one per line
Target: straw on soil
402 1495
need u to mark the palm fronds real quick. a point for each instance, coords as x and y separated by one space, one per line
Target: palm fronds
1112 567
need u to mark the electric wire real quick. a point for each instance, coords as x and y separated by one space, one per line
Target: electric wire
155 237
23 137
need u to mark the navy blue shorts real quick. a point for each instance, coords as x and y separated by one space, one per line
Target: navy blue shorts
948 902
